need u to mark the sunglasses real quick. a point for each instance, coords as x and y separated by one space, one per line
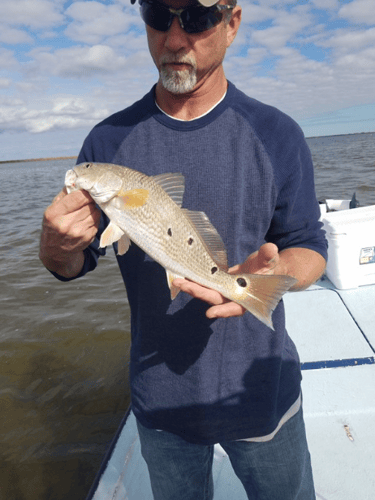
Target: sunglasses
194 19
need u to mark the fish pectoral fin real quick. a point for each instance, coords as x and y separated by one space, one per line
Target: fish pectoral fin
133 198
111 234
174 289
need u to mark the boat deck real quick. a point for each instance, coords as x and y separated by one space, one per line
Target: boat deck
335 335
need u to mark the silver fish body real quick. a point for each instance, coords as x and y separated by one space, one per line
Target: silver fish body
147 210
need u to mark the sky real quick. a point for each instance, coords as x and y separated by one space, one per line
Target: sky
66 65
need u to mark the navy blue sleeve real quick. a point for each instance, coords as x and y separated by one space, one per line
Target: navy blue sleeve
92 254
296 218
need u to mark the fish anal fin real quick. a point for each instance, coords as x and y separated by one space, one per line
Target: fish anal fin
211 238
262 292
174 289
111 234
134 198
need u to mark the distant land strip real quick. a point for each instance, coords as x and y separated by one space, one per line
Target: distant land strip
40 159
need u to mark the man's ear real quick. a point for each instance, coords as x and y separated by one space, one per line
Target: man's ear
234 24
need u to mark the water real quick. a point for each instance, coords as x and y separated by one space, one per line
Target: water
63 352
64 346
343 165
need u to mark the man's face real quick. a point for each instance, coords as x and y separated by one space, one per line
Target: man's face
185 60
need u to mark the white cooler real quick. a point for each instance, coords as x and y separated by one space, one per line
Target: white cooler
351 246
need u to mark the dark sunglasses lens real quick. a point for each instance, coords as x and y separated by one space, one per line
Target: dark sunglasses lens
194 19
198 19
156 16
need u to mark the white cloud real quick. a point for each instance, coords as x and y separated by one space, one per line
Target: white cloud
5 83
325 4
33 13
76 62
363 62
92 59
37 116
7 60
252 13
11 102
359 11
13 36
285 28
350 41
93 21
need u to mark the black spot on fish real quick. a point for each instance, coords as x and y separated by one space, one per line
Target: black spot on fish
169 232
242 282
190 241
213 270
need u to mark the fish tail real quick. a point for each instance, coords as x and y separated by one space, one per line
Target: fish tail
262 294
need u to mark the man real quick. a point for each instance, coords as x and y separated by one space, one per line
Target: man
202 375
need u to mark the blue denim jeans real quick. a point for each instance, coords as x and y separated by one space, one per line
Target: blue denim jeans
279 469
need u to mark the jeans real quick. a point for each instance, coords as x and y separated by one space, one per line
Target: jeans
279 469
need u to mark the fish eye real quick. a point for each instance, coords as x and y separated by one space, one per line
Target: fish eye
242 282
88 165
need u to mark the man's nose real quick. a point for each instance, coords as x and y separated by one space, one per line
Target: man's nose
176 37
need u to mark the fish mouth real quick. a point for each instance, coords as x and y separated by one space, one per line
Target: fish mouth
70 179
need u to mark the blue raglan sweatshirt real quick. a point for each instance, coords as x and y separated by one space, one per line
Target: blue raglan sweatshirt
248 167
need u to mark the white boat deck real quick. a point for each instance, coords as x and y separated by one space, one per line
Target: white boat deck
335 335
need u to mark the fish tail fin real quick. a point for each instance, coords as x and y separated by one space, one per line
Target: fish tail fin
263 293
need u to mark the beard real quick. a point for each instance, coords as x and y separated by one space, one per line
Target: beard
177 81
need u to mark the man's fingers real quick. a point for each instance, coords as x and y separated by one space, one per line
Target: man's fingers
222 307
263 261
198 291
226 310
64 204
76 200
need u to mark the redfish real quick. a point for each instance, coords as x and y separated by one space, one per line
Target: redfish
147 210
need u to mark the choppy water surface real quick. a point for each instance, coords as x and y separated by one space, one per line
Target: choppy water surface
63 352
64 346
343 165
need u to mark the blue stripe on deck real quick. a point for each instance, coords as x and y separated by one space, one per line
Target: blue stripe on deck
337 363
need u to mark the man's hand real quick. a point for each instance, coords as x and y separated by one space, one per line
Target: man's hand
70 224
302 263
264 261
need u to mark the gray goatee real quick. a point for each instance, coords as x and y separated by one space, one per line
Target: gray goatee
175 81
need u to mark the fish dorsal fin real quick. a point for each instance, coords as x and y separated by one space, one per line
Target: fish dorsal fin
173 185
210 237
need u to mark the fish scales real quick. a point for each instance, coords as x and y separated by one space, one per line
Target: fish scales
149 229
147 210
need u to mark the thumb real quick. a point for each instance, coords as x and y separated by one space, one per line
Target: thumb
268 257
263 261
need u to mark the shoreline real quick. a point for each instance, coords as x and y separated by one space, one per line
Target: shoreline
40 159
75 157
